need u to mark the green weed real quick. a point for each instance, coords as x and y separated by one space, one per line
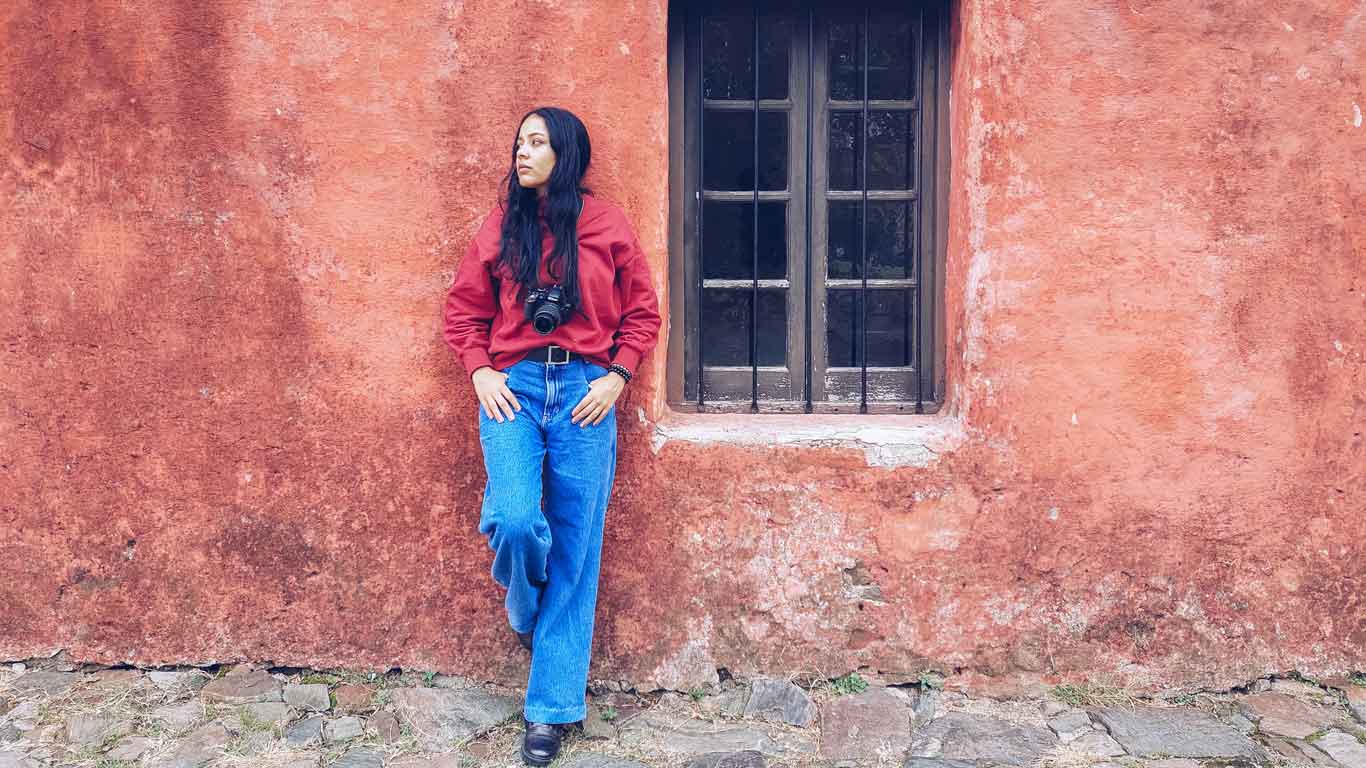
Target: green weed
850 683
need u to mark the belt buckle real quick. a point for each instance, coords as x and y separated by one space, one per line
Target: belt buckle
550 355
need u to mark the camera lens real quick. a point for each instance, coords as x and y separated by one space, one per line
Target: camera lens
546 318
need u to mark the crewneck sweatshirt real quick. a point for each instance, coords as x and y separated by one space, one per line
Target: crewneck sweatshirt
617 320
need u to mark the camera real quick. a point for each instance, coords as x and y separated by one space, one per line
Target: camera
546 308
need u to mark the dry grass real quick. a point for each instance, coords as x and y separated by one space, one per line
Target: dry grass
1066 756
1090 694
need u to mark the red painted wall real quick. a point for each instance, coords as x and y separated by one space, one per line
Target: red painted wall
229 428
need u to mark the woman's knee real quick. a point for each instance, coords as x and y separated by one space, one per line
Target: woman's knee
518 528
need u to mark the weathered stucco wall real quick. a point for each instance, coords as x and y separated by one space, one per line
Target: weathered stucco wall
229 429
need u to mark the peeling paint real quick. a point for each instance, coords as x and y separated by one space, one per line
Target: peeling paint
691 665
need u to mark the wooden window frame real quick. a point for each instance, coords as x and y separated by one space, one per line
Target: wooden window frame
799 388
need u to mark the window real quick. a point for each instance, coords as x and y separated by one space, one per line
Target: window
805 183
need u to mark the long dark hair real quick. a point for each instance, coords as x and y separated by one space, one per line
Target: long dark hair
520 250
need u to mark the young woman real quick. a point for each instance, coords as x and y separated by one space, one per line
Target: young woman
551 312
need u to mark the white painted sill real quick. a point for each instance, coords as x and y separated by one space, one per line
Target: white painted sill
892 440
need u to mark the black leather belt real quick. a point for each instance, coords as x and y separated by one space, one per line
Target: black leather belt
552 355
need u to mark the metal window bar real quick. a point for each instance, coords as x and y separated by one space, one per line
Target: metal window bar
754 249
863 226
922 359
917 162
701 208
810 143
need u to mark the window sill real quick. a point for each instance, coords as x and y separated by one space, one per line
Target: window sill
886 440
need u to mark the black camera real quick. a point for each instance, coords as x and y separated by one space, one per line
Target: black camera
546 308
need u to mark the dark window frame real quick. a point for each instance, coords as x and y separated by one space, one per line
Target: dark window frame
797 387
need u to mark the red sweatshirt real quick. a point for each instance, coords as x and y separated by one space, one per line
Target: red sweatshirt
486 324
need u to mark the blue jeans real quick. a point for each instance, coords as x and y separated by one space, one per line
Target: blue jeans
548 559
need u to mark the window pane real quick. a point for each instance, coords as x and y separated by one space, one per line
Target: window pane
728 150
726 323
845 166
846 60
889 150
728 240
728 53
775 43
890 74
890 244
888 336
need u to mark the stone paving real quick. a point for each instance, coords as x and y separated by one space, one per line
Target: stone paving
56 713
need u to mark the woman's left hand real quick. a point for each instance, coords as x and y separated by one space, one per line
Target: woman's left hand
602 395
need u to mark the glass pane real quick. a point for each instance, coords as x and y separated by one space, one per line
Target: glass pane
728 53
888 333
889 150
726 324
728 137
728 57
728 240
845 164
890 75
775 43
890 242
842 257
846 60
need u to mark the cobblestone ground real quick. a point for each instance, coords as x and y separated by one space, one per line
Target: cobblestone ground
54 713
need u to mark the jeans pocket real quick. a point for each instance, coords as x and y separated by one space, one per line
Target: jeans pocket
593 371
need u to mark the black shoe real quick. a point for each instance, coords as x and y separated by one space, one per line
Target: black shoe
525 638
541 742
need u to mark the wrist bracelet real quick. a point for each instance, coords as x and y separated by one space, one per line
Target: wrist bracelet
621 371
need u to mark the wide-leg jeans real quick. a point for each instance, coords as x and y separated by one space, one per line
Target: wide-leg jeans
547 546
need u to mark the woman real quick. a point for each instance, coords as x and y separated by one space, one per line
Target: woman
551 312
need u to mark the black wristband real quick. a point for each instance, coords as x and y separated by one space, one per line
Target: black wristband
621 371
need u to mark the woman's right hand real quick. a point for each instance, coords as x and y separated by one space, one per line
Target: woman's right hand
490 386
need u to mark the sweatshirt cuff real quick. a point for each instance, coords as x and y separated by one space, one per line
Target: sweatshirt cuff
627 358
474 359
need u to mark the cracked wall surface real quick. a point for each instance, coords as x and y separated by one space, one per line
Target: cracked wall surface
229 429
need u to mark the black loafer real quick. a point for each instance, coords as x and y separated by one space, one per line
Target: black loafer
525 638
541 742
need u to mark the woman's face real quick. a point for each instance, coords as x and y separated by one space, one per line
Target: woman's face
535 158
